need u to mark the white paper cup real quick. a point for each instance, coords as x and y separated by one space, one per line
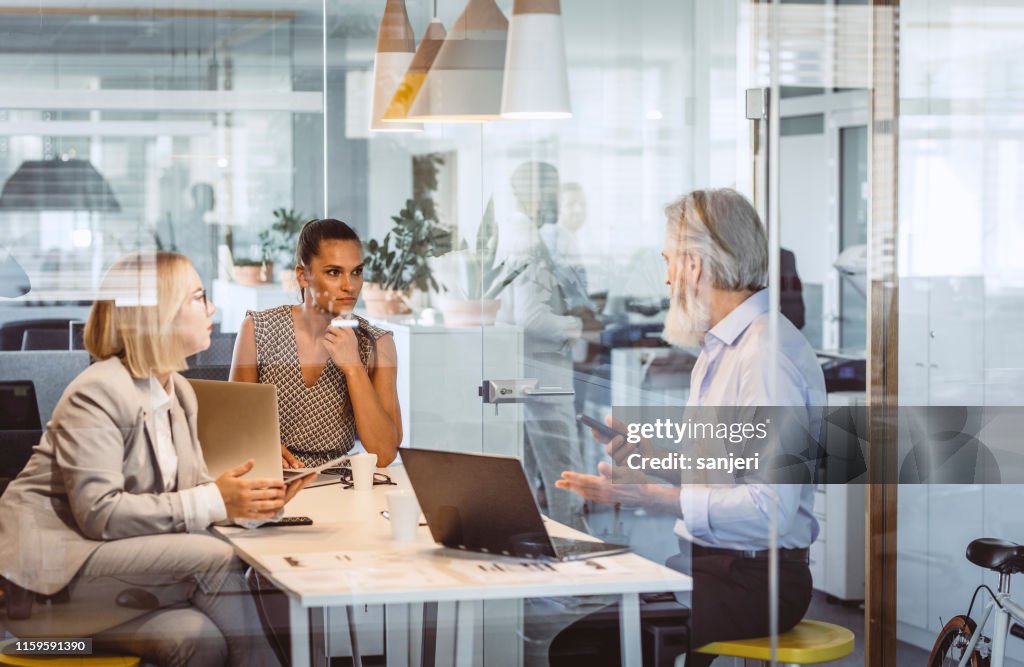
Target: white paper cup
404 513
363 466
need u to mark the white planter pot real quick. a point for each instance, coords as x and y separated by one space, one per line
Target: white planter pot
469 312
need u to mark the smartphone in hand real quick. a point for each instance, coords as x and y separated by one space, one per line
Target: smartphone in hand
599 426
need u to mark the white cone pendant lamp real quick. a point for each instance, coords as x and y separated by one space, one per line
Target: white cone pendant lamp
464 83
395 48
412 82
536 79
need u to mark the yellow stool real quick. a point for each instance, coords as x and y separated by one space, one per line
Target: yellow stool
65 660
809 643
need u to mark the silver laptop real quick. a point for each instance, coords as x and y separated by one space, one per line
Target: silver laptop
483 503
238 421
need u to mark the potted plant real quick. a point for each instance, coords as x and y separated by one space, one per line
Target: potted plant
396 265
250 271
279 242
472 280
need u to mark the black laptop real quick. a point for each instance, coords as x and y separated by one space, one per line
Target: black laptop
479 502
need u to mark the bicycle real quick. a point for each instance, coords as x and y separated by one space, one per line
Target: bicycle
961 642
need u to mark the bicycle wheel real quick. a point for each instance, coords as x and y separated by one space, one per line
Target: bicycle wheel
952 642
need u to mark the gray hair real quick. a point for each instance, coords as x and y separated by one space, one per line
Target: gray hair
723 229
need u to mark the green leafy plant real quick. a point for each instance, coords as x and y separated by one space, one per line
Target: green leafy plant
400 261
278 240
472 274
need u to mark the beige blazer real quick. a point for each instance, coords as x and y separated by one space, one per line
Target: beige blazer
94 476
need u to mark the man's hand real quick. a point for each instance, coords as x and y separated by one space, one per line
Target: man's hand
600 489
589 320
288 459
617 447
250 498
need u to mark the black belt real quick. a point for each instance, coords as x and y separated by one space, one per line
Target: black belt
785 555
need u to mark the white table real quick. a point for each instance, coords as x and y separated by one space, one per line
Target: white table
349 521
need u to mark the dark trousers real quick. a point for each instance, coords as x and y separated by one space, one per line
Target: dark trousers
730 601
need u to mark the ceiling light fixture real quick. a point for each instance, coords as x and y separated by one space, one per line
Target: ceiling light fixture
412 82
396 45
464 83
536 79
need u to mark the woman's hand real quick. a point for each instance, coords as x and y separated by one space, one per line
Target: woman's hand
288 459
250 498
343 348
297 485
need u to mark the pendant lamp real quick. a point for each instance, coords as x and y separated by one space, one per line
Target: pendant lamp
395 47
412 82
464 83
536 80
58 185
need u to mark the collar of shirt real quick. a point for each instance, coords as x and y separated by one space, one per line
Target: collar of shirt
158 395
736 322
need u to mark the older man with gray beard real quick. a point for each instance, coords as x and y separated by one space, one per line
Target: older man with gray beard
717 257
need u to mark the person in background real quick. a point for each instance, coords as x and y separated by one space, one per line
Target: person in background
791 290
110 515
536 302
331 382
717 256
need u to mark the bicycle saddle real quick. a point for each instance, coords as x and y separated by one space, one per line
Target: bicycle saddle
999 555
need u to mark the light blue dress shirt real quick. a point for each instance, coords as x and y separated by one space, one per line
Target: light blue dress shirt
736 367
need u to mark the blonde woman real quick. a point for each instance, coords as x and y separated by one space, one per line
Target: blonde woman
110 515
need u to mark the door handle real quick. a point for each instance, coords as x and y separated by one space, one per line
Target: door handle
517 391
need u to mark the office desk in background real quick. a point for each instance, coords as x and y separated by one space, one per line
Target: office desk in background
347 558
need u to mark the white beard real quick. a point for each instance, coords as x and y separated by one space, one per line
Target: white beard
688 318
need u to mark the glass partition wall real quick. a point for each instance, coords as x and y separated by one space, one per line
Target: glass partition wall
960 301
213 131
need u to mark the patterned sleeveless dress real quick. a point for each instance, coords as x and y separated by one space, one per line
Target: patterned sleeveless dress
317 423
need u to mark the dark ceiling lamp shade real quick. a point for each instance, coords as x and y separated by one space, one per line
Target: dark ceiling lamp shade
58 185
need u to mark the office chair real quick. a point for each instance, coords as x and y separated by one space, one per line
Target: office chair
12 334
213 363
44 339
21 427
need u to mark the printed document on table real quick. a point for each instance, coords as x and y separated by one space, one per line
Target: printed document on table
320 560
490 571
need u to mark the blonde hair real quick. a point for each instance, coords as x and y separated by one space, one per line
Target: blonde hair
134 312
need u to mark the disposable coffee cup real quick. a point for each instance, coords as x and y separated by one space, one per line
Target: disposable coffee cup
404 513
363 466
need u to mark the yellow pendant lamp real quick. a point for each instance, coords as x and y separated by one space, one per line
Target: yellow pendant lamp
395 48
412 82
536 79
464 83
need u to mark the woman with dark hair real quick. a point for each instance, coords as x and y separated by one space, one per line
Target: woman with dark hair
332 381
